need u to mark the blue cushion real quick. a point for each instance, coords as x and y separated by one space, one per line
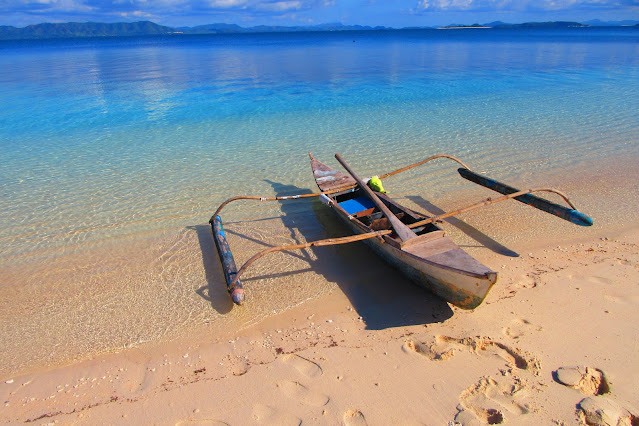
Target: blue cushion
356 205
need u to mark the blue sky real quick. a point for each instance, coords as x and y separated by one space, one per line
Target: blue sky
393 13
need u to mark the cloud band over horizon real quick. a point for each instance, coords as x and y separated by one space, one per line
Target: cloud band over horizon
307 12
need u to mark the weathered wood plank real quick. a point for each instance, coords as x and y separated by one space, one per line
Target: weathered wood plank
565 213
228 262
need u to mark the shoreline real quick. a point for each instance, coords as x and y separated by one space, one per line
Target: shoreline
492 235
323 361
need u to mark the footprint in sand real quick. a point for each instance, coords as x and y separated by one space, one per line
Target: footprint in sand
602 411
269 415
354 418
524 281
201 422
520 327
299 392
589 380
293 389
614 299
444 347
439 350
621 299
599 280
303 366
490 402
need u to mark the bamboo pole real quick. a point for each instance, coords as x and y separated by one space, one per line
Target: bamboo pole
278 198
419 163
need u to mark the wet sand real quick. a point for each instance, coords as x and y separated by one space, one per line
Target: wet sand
555 340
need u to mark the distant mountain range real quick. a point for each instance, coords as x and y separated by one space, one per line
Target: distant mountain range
146 28
88 29
234 29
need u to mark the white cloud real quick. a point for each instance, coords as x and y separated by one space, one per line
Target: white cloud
226 4
279 6
460 5
516 5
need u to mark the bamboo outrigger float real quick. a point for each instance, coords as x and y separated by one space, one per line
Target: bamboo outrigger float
409 240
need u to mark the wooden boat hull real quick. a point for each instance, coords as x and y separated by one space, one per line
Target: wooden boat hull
434 261
461 290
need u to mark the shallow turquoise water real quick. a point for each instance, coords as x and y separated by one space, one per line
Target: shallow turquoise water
116 144
112 131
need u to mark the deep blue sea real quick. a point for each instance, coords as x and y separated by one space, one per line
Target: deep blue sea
115 152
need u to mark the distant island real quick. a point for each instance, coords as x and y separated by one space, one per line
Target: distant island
87 29
458 27
553 24
147 28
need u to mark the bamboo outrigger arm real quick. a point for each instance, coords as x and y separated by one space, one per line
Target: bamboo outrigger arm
571 215
231 273
254 197
419 163
490 201
318 243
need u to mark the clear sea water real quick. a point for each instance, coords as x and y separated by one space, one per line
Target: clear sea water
115 152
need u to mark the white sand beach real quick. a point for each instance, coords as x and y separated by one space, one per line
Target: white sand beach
555 342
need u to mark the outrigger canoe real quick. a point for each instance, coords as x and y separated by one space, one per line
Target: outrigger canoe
409 240
430 258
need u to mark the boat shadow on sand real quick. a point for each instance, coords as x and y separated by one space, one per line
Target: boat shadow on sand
377 292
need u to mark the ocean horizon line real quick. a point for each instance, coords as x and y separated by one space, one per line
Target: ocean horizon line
90 29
